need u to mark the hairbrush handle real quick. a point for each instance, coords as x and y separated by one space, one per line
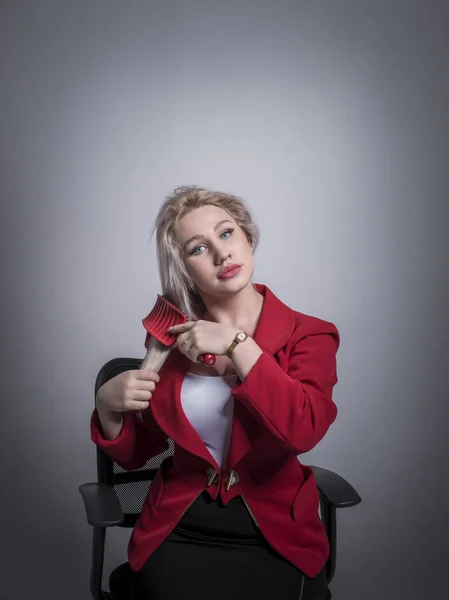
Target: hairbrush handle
207 359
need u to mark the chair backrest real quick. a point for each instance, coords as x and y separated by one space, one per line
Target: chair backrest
131 487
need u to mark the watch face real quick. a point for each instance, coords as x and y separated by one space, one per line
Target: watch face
241 336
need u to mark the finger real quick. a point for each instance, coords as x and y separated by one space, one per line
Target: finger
182 338
144 386
185 344
144 374
141 395
181 328
134 405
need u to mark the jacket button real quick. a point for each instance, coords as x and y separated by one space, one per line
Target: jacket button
233 479
212 476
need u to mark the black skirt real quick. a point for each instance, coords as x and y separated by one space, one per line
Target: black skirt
217 552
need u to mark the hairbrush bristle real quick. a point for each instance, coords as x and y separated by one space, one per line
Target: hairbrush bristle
164 315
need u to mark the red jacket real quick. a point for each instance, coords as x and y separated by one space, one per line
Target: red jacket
283 408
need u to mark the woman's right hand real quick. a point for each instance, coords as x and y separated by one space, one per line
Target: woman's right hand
130 390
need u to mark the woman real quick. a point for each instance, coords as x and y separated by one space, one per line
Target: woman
234 513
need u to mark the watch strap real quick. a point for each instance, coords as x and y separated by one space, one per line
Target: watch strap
237 340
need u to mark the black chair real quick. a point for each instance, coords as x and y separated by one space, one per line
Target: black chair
117 499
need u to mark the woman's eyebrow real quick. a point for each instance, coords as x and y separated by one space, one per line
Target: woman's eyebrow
201 235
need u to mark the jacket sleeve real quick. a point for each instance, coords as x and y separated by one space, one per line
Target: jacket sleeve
296 406
135 444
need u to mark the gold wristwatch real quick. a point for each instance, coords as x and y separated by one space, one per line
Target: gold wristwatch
239 338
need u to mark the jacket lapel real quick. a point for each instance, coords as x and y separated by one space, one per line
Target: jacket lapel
167 409
274 329
276 322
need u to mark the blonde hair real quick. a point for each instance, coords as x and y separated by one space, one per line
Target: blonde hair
177 286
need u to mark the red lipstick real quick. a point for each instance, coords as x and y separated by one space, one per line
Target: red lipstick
229 271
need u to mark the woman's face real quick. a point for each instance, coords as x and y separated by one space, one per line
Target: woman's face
218 242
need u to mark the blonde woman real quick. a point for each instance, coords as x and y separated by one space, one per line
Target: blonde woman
235 514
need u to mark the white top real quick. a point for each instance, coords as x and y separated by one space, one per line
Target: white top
208 404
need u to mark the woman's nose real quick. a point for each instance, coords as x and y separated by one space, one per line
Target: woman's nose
221 254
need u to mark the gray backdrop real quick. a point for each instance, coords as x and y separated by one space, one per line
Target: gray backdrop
330 119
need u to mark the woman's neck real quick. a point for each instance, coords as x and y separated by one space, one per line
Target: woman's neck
240 310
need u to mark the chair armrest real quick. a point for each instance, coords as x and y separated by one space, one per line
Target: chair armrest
102 505
336 491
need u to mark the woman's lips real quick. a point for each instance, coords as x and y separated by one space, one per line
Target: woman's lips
231 273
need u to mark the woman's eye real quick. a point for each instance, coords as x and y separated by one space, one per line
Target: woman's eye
194 251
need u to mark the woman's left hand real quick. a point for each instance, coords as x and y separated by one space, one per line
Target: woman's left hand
203 337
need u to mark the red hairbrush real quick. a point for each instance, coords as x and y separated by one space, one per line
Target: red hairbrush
165 315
